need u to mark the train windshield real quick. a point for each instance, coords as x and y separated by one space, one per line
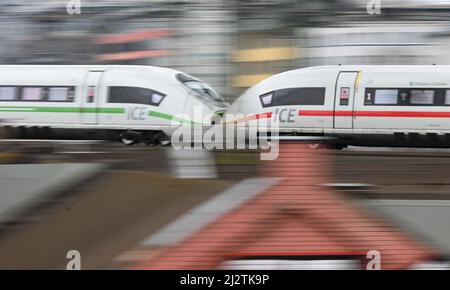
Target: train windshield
202 89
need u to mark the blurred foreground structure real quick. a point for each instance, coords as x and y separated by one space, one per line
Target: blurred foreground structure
294 223
230 44
125 207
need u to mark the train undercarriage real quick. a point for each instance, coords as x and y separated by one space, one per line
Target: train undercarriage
154 138
127 137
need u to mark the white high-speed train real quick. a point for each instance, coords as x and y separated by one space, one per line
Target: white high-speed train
379 105
132 103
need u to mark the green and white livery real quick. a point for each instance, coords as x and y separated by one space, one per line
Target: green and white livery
131 103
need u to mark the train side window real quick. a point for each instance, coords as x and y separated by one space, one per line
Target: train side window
407 96
135 95
422 97
299 96
447 97
8 93
266 99
386 97
60 94
32 94
157 98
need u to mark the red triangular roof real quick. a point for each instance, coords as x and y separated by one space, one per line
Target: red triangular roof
298 216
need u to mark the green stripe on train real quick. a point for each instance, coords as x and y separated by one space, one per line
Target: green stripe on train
105 110
91 110
171 118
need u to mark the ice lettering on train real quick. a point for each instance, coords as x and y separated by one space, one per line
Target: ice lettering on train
285 115
137 113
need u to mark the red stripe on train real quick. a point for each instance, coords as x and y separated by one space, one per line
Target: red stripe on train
402 114
322 113
393 114
314 113
253 117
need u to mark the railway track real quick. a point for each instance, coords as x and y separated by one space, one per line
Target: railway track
111 145
393 172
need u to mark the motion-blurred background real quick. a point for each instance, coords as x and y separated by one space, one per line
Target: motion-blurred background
157 208
230 44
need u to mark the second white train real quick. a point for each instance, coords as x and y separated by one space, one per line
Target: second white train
380 105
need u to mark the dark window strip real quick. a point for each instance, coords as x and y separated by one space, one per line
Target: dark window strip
45 93
306 96
403 97
134 95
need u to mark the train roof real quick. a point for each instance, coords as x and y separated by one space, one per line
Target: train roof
377 68
333 70
155 69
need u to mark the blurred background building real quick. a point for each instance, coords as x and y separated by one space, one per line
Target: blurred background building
334 206
232 44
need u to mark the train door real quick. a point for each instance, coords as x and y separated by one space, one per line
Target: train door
344 100
90 97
